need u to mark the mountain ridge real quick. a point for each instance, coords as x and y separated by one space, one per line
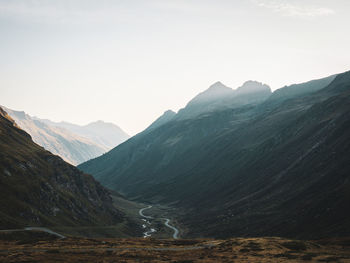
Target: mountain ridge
226 155
73 143
70 146
220 97
107 134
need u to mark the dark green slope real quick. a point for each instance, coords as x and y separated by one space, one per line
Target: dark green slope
262 169
288 177
38 188
139 162
296 90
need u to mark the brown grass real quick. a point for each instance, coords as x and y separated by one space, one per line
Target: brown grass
45 249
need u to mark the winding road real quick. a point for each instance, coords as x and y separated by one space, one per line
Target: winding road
167 220
43 229
143 209
176 231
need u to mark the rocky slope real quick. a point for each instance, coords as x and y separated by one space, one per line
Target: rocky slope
107 135
38 188
75 144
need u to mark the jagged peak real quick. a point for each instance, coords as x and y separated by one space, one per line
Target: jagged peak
215 91
252 86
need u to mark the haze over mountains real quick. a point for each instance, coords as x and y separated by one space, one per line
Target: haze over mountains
103 133
245 162
74 143
38 188
220 97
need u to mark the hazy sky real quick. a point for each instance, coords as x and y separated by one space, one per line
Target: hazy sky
128 61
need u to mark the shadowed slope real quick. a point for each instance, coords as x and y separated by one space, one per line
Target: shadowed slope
256 169
38 188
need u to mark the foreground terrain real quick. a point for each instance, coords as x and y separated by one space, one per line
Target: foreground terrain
36 246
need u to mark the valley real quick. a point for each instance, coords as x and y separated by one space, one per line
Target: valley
242 162
174 131
198 185
155 226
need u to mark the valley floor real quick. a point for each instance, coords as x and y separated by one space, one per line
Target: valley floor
32 246
156 221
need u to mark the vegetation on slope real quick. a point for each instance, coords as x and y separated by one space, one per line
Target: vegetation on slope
277 167
38 188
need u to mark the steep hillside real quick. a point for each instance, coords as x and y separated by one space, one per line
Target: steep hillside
172 135
38 188
296 90
107 135
258 168
72 147
166 117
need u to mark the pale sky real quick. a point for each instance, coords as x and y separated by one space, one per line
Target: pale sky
128 61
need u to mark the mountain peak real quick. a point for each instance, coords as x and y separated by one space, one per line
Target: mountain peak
215 91
218 87
99 123
252 86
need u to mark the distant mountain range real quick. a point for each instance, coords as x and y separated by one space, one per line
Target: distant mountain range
245 162
38 188
105 134
74 143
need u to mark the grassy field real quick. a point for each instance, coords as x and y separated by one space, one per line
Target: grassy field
31 246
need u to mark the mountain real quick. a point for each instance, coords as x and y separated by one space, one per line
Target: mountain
220 97
215 92
107 135
182 130
166 117
296 90
38 188
257 169
74 143
72 147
